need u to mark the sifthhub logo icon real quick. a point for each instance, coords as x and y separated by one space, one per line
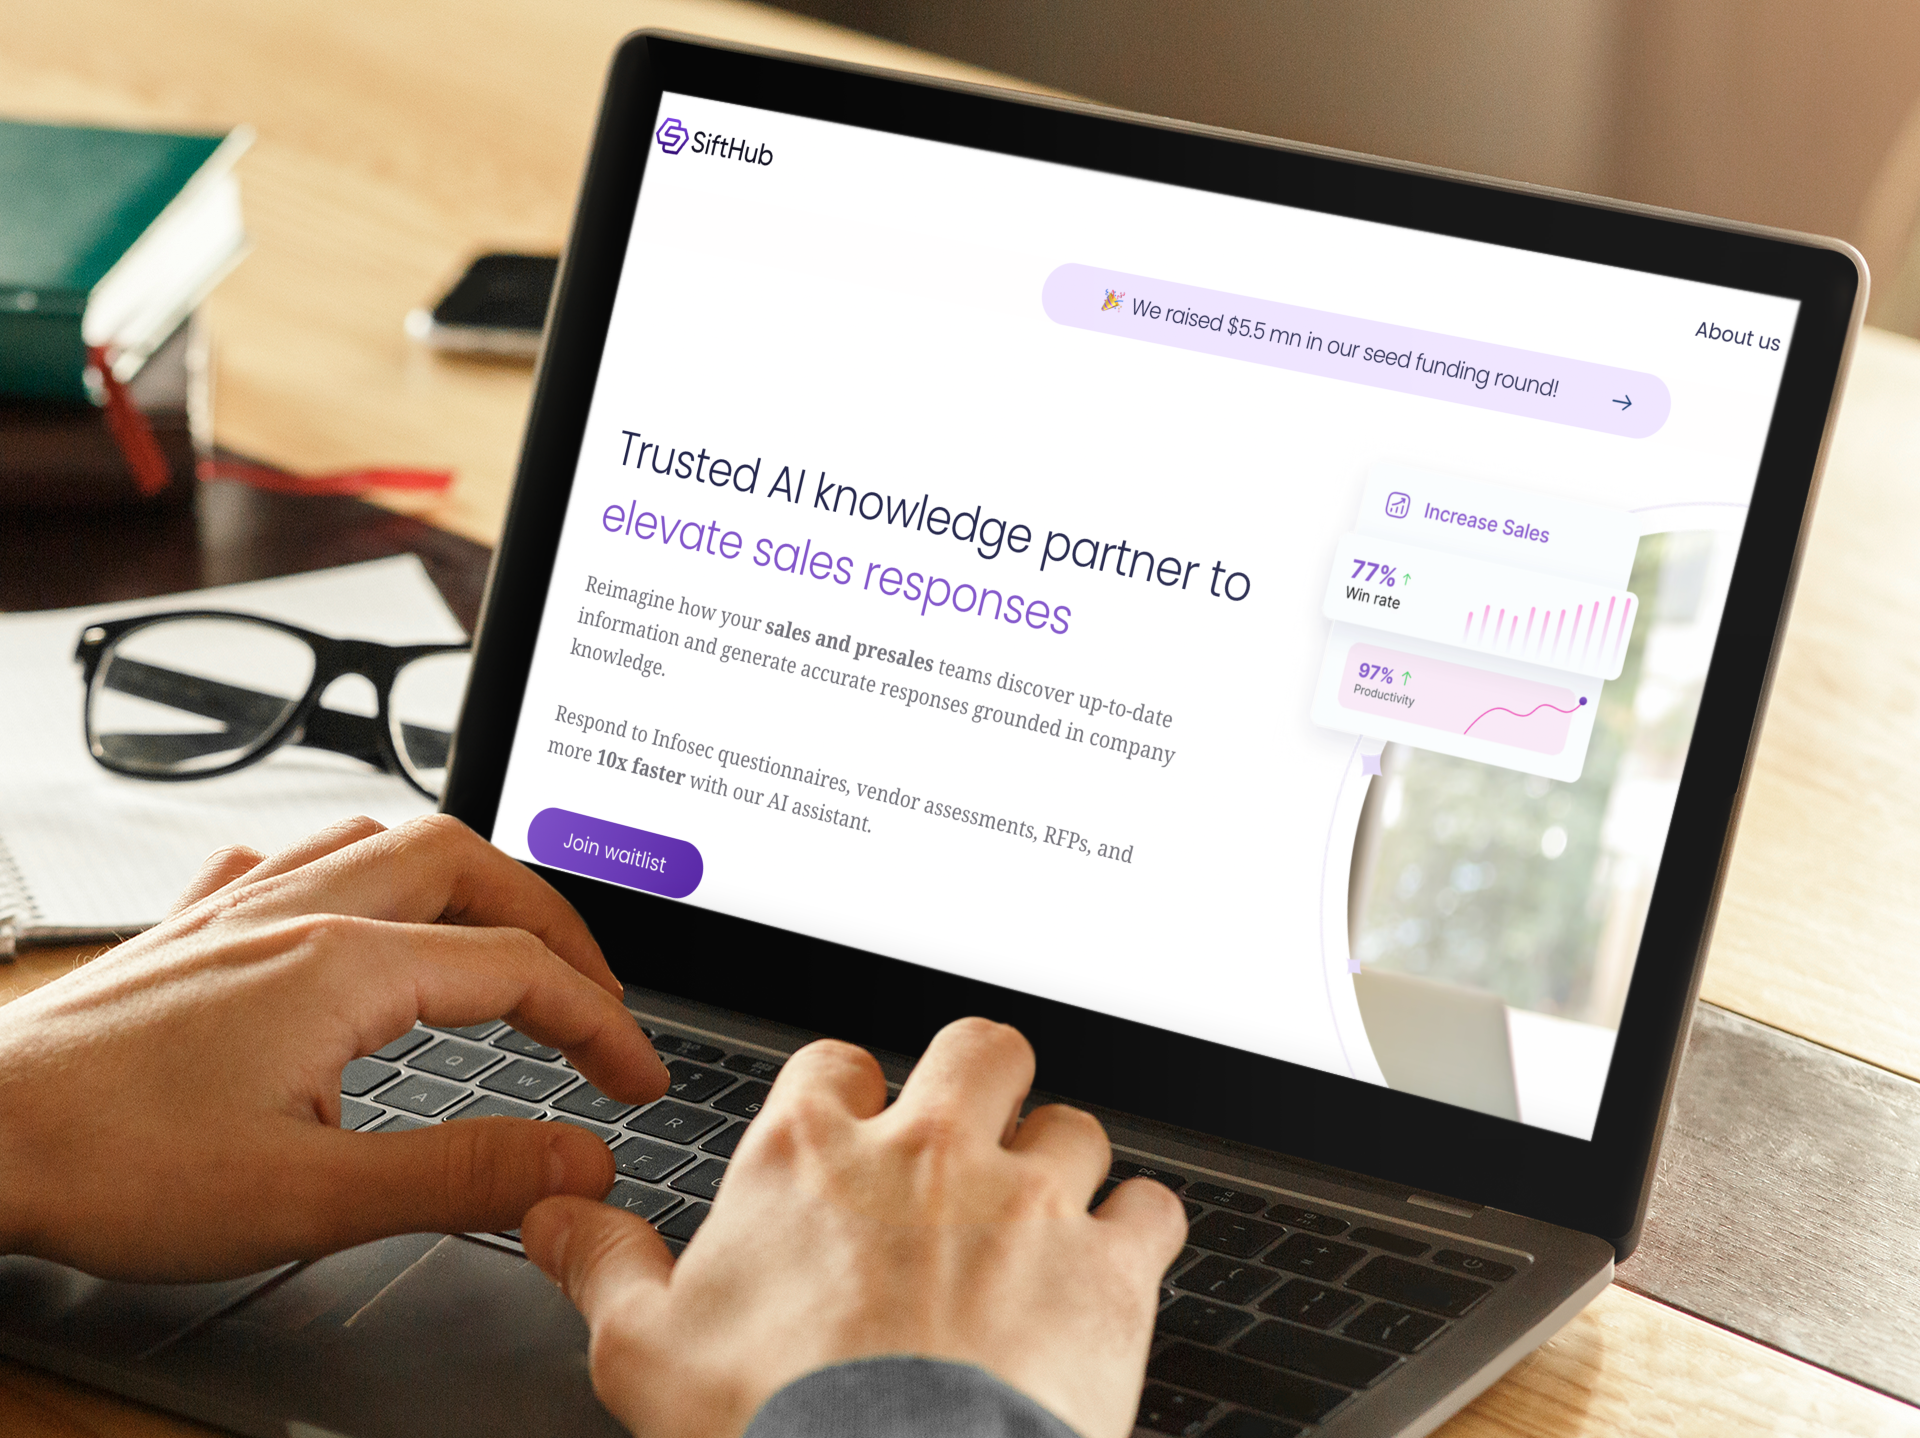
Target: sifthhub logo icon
672 136
1398 503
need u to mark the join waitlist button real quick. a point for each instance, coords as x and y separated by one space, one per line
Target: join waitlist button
601 849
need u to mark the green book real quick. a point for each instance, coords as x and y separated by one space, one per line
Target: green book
109 238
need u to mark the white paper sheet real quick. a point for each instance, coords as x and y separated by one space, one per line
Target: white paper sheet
82 848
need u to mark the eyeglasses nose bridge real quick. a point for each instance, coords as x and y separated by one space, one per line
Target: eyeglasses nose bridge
374 662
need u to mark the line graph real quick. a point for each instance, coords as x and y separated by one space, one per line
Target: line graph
1458 699
1503 709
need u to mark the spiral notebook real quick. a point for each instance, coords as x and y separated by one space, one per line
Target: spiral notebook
86 854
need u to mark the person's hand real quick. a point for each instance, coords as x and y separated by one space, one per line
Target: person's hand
171 1109
848 1229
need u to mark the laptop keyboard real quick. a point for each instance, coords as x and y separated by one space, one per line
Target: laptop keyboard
670 1155
1271 1318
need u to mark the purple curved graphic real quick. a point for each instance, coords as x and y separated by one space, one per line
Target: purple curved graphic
1502 709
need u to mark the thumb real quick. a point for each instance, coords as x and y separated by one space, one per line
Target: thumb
472 1175
601 1257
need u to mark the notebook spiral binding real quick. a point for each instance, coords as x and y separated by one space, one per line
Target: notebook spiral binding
17 908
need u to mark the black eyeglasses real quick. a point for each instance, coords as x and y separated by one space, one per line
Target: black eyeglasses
201 692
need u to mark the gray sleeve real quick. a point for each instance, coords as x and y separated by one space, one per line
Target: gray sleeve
903 1397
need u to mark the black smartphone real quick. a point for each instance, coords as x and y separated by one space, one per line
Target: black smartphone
497 307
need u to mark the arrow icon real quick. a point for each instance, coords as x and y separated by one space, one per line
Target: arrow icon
1625 404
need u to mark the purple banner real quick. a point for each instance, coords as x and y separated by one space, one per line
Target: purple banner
1624 402
602 849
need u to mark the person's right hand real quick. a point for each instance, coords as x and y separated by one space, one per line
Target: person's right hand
940 1226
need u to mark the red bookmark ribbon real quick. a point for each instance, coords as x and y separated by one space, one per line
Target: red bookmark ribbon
130 429
133 433
344 481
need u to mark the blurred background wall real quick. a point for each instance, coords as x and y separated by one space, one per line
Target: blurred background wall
1784 112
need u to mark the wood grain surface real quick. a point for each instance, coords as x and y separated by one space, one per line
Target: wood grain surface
1817 925
1787 1202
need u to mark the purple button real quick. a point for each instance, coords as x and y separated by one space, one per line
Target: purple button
601 849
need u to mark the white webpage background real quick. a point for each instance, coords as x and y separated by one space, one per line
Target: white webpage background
870 305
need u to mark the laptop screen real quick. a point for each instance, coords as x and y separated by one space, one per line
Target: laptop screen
1270 626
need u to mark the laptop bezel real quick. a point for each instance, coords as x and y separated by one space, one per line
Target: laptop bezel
1597 1186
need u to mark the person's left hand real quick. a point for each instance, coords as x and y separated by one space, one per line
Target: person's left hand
171 1109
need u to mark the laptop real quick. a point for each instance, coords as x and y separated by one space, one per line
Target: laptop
1286 630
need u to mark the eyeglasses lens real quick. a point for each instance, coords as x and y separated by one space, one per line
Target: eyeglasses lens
184 696
423 707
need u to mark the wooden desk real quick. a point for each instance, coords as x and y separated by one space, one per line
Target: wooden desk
396 140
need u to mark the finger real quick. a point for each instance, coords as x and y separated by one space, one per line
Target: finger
389 975
221 868
318 845
844 1076
601 1257
1071 1142
1150 1222
975 1073
471 1175
437 869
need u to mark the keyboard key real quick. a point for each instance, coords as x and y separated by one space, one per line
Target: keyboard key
1203 1322
752 1066
1473 1264
608 1136
353 1113
1237 1199
674 1046
1392 1326
1410 1283
1235 1234
1241 1424
684 1224
1392 1242
398 1123
1126 1168
515 1042
471 1031
1318 1355
1167 1410
1251 1385
649 1203
1316 1257
692 1084
703 1180
1187 1255
1310 1303
1323 1224
588 1102
649 1159
723 1143
454 1058
492 1106
416 1093
1226 1280
404 1045
681 1122
525 1079
364 1076
744 1101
